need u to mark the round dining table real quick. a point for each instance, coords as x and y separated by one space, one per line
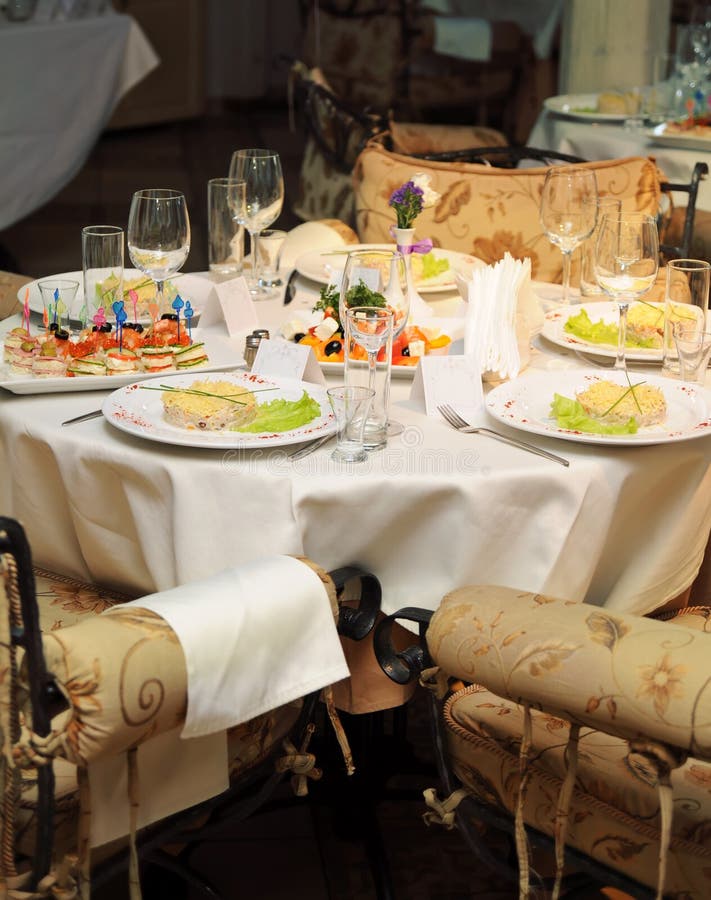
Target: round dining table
623 527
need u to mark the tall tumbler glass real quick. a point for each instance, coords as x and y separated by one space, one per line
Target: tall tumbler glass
102 261
686 301
225 234
368 360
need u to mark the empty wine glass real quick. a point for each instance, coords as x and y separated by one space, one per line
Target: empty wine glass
158 235
263 199
568 212
626 264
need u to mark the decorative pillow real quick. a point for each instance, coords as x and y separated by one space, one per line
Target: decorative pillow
416 137
485 210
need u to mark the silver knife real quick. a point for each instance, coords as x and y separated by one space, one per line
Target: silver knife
94 414
310 448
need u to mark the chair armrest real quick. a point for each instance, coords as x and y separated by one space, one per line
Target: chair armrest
620 674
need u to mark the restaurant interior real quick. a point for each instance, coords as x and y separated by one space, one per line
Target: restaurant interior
250 666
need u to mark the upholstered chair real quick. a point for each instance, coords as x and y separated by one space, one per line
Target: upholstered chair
86 680
571 728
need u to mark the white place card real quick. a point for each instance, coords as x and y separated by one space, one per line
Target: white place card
284 359
234 305
455 380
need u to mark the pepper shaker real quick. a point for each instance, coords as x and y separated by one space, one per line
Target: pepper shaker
251 343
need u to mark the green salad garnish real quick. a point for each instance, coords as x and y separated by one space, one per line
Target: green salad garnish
283 415
571 415
582 326
433 266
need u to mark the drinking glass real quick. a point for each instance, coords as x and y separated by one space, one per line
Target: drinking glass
57 297
102 263
626 263
588 283
383 272
158 235
263 199
568 212
225 234
693 350
686 301
369 330
270 244
350 405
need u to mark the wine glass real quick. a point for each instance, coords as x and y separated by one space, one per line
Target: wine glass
158 235
626 264
263 199
568 212
381 272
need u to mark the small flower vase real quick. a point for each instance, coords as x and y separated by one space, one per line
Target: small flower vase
405 238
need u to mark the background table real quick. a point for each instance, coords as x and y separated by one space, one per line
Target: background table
624 527
61 81
596 140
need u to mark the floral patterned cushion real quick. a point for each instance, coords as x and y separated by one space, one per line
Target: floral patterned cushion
637 689
613 817
486 211
419 137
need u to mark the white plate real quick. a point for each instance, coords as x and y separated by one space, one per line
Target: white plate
574 106
525 402
554 324
191 287
320 265
690 141
451 326
221 355
140 413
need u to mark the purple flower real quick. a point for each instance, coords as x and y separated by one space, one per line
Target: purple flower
407 201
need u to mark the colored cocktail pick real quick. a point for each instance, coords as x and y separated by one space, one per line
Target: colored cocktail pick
121 316
177 305
134 299
56 304
84 316
99 317
189 313
26 310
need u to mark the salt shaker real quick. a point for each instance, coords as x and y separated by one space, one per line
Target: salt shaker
251 343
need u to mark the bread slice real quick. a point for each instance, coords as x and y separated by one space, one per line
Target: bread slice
615 403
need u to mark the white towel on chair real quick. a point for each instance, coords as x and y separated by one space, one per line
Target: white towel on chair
254 638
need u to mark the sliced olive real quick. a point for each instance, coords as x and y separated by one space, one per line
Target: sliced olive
133 326
106 327
172 316
333 347
405 351
53 326
61 334
298 337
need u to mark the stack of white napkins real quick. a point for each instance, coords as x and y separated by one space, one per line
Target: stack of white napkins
501 314
254 637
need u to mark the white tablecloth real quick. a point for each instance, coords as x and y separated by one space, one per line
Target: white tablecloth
596 140
623 527
61 82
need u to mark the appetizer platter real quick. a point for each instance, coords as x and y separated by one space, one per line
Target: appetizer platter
224 410
591 407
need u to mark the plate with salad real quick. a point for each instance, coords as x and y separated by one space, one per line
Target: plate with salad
594 407
433 272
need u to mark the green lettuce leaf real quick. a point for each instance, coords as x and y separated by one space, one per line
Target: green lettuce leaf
569 414
433 266
582 326
283 415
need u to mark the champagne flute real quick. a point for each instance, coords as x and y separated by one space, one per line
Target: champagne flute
568 212
381 272
158 235
626 264
263 199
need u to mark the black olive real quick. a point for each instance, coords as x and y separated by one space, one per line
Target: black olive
61 334
172 316
106 327
133 326
405 351
333 347
298 337
53 326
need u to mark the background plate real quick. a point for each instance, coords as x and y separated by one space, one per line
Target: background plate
681 140
553 331
573 106
318 265
140 413
191 287
524 403
221 355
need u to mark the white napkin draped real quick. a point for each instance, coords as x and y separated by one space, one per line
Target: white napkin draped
254 638
501 313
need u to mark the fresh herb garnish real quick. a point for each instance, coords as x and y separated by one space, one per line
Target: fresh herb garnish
361 295
233 398
630 390
328 303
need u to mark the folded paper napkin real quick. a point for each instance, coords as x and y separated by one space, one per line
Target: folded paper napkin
254 638
502 312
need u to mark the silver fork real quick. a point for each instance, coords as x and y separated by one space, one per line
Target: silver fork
456 421
308 449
